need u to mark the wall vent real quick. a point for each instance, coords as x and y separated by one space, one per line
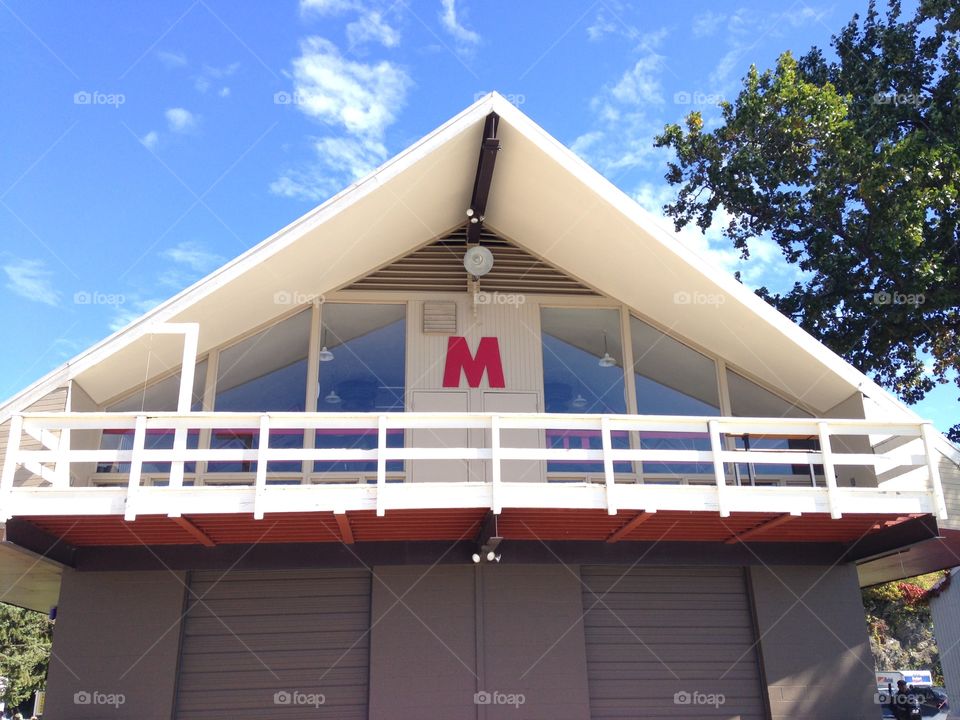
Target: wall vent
438 267
440 318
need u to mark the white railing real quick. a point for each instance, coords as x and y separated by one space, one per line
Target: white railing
909 478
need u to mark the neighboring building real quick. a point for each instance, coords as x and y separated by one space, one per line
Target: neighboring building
268 496
945 608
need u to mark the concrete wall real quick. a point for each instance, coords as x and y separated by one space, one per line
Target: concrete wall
458 630
814 644
117 634
946 626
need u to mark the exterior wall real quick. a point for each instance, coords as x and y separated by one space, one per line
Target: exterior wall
950 478
80 401
814 644
54 401
117 633
442 634
946 625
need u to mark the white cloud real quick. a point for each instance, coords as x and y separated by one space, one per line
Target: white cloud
193 255
625 115
372 27
362 98
210 76
224 92
180 120
30 279
151 140
450 21
172 59
328 7
706 24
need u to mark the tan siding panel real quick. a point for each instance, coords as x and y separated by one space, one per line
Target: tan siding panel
950 477
54 401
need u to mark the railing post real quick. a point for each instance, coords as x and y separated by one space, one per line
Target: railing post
10 465
495 504
136 466
716 448
929 445
381 465
61 471
260 484
608 476
829 474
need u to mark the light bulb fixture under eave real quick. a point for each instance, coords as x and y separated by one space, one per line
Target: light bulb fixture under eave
325 355
478 260
332 398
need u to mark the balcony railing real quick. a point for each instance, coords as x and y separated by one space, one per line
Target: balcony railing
905 476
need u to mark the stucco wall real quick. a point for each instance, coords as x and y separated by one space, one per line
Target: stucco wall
117 637
814 644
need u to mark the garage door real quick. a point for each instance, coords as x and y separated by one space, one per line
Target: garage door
291 644
669 643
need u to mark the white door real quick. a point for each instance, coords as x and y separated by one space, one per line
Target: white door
439 470
515 402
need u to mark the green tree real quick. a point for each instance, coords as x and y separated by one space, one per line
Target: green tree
901 626
25 638
851 166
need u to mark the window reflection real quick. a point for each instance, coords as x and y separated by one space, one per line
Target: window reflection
672 379
161 396
583 373
267 371
362 369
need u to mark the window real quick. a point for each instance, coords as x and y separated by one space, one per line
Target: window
672 379
267 371
160 396
362 369
747 399
582 373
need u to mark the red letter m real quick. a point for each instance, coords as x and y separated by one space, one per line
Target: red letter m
487 358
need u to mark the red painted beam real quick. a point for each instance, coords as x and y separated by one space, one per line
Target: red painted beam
199 535
346 532
761 528
636 521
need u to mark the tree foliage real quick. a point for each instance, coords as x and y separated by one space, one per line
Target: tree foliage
25 638
851 165
901 626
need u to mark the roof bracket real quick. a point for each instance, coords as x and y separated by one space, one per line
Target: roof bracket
489 146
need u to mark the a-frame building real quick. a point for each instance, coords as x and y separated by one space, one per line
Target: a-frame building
476 438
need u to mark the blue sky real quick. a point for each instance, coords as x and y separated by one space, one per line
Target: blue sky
146 143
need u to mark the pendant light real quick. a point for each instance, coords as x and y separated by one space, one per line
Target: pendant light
332 398
324 355
579 402
607 360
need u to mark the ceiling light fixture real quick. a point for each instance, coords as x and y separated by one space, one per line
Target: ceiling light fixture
332 398
579 401
607 360
478 261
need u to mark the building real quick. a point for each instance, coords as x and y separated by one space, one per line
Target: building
945 608
343 477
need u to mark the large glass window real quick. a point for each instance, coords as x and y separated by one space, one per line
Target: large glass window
161 396
267 371
362 369
747 399
582 373
672 379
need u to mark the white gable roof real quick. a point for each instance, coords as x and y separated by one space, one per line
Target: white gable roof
546 200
